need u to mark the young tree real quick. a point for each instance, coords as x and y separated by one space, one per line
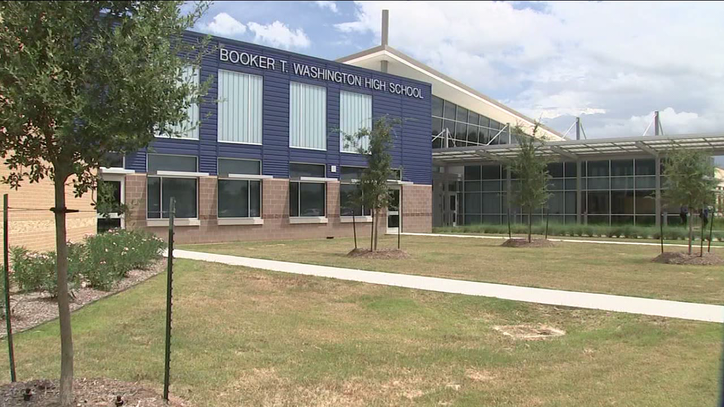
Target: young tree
690 182
78 80
354 198
373 188
531 169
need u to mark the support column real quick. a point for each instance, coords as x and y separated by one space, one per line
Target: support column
579 195
508 191
657 162
578 128
444 196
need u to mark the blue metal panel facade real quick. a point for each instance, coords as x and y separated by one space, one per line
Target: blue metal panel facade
412 148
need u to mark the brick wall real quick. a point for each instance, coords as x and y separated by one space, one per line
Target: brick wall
275 213
417 208
35 228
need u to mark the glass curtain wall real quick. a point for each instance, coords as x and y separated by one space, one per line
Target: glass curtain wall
466 128
612 192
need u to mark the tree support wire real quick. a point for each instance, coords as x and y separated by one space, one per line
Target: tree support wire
169 296
6 267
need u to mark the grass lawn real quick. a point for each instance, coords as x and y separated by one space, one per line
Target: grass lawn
249 337
610 269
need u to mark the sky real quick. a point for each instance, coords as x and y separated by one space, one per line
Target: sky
612 63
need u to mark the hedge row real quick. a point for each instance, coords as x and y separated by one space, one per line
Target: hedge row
557 229
101 260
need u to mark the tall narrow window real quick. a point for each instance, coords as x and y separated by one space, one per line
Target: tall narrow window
348 193
307 116
355 113
189 129
238 197
307 195
240 107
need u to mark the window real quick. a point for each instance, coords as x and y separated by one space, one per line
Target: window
437 106
348 192
239 198
163 162
597 169
112 160
189 129
236 166
240 107
307 198
307 116
161 189
449 110
355 113
112 220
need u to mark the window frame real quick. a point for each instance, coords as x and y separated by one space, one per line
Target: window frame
299 181
218 116
351 182
326 118
197 119
176 174
251 177
372 109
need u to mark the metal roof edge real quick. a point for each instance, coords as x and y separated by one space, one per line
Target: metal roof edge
435 72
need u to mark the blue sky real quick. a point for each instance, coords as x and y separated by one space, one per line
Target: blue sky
611 63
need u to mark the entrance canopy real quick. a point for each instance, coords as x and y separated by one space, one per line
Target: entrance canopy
587 149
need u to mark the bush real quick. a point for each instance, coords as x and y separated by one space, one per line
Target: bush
34 271
111 255
102 260
591 230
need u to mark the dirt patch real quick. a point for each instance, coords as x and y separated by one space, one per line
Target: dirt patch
379 254
525 243
32 309
88 392
709 259
530 332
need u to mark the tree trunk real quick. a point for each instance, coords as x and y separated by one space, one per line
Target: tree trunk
530 226
354 231
377 229
701 241
66 336
691 231
372 231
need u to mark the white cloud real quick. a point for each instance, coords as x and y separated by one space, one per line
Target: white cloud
332 6
277 34
224 24
612 62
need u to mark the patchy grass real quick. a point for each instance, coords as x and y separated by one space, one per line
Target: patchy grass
249 337
610 269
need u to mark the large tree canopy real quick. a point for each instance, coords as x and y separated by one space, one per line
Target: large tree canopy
79 79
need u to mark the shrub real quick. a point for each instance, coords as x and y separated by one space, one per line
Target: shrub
111 255
102 260
34 271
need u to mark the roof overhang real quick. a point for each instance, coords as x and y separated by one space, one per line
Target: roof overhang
587 149
444 86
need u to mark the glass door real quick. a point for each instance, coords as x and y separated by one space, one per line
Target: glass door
393 210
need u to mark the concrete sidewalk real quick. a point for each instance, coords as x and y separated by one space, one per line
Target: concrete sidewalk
632 305
552 239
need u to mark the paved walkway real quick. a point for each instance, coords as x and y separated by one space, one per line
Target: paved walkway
633 305
696 245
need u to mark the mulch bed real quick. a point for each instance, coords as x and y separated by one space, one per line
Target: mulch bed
709 259
525 243
88 392
530 332
32 309
379 254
